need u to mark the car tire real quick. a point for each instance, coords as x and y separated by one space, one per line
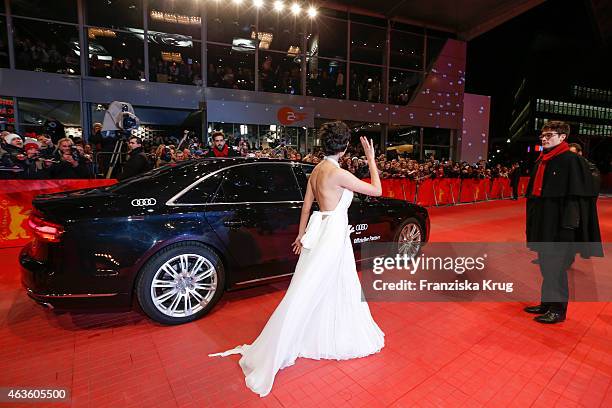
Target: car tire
189 280
410 230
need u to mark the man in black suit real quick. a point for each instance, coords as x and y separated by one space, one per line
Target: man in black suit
138 162
561 218
515 178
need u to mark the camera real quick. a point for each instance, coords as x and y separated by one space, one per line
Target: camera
74 151
119 120
127 120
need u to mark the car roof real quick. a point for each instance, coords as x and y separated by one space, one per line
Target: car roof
235 160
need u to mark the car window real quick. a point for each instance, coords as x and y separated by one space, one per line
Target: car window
202 192
302 172
308 168
258 183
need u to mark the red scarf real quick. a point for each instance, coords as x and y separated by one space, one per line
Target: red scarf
544 159
221 153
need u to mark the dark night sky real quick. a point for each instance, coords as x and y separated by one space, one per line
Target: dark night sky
555 42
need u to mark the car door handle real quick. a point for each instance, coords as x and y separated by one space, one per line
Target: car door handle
233 223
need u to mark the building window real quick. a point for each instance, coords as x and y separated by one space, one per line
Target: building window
4 54
65 10
405 139
177 17
174 58
326 78
280 32
35 115
406 50
280 73
262 137
439 152
327 37
157 125
48 47
436 136
231 24
403 85
368 43
230 67
116 54
7 114
114 14
436 141
366 83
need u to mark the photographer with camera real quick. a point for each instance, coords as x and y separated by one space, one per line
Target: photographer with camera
12 156
35 166
47 148
138 162
69 162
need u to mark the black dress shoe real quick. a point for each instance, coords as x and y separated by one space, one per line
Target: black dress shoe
539 309
550 318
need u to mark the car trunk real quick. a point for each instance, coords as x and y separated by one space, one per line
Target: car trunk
73 205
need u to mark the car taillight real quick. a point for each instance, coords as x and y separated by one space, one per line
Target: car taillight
44 230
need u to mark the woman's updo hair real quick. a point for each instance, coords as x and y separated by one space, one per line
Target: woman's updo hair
335 137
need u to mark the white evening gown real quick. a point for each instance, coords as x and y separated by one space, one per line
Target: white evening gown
322 315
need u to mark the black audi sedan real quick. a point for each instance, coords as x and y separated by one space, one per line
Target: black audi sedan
179 236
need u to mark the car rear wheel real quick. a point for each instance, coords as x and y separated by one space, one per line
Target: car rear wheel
180 283
410 237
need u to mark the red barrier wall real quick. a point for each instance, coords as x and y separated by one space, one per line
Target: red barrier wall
16 203
467 194
442 191
425 193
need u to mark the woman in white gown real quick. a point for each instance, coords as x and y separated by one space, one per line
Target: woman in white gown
322 315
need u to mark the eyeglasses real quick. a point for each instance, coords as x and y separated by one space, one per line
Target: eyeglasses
547 135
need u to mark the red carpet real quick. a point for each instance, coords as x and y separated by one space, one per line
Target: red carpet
436 354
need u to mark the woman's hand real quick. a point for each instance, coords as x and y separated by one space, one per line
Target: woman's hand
297 245
368 147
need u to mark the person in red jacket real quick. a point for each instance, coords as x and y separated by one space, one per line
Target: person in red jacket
219 147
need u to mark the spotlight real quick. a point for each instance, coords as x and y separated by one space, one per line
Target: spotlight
258 3
237 2
312 12
279 5
295 9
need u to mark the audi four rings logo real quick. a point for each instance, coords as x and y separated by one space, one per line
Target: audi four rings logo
361 227
143 202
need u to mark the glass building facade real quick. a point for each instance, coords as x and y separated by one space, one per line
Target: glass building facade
189 47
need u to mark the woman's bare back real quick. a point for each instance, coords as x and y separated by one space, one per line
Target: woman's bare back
324 185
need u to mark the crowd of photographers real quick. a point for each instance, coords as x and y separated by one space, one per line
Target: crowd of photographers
41 158
71 158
